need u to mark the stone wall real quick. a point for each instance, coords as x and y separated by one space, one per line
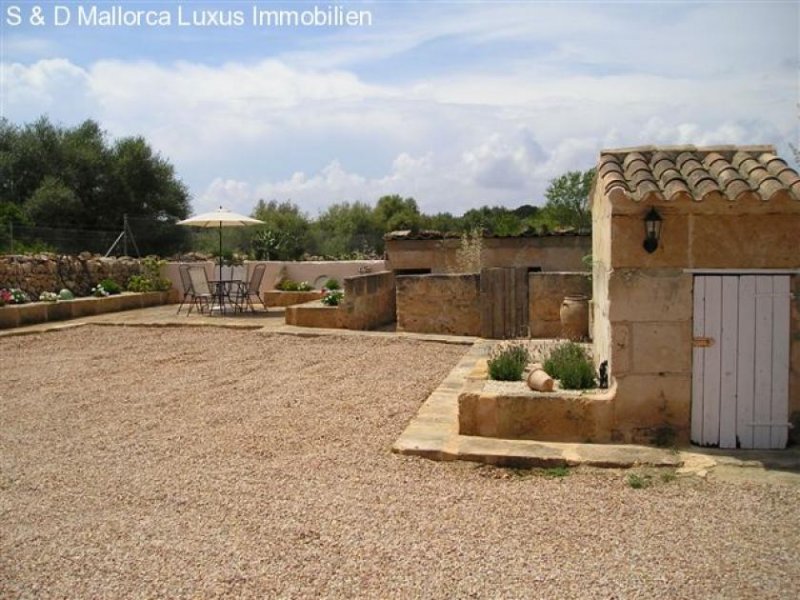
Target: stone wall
316 314
50 273
314 272
546 292
643 307
369 300
548 252
448 304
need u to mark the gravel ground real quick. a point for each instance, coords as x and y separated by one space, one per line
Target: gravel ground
206 463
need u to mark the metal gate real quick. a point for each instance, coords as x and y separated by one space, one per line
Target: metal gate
740 361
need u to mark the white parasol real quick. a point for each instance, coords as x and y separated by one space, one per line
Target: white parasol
218 219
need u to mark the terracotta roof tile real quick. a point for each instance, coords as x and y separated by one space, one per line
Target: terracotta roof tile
680 173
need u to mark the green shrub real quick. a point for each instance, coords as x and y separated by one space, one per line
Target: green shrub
150 280
332 284
287 285
570 364
140 283
507 363
111 286
65 294
333 298
304 286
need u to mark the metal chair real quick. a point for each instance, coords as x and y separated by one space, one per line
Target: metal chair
201 288
252 288
186 284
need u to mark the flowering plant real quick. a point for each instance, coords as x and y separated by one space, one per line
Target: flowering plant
18 296
48 297
99 291
5 297
332 297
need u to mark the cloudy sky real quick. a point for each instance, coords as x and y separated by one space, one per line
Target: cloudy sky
456 103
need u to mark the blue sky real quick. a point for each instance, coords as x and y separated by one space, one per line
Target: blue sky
458 104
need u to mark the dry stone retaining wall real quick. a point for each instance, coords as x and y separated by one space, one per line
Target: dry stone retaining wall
50 272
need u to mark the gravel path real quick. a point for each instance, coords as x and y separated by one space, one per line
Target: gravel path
207 463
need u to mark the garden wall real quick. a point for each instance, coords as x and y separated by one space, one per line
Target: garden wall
546 292
50 273
314 272
547 252
448 304
369 300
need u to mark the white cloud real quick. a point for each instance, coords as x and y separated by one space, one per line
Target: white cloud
311 126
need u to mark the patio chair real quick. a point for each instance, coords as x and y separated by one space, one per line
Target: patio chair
186 284
250 289
201 288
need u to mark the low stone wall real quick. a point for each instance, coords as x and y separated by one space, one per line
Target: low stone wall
369 300
561 416
447 304
50 273
316 314
278 298
546 292
17 315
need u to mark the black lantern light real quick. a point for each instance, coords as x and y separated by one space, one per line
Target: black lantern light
652 230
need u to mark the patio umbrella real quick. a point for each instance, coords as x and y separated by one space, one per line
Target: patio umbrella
219 219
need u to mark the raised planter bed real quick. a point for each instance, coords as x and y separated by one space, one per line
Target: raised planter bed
316 314
17 315
511 410
279 298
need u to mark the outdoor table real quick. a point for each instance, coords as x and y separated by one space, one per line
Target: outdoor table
222 291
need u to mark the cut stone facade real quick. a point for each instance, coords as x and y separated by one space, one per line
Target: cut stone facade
447 304
722 208
546 291
563 252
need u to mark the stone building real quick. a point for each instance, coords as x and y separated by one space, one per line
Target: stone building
696 282
433 252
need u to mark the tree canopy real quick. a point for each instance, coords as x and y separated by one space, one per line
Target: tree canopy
568 202
54 176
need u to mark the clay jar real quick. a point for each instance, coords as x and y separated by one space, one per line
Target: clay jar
574 315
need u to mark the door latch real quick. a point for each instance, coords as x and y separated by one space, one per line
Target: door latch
702 342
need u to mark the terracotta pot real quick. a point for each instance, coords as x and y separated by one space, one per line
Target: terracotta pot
540 381
575 317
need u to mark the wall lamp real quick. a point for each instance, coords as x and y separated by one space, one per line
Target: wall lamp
652 230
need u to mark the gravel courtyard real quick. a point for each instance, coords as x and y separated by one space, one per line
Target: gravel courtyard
193 462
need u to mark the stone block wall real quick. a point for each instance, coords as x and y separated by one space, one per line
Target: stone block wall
50 273
546 292
369 300
548 252
643 309
446 304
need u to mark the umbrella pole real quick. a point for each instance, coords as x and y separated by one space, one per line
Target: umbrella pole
220 250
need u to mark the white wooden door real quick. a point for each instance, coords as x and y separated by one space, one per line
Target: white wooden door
740 361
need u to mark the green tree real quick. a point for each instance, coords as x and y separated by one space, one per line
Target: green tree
394 213
285 234
443 222
58 176
346 229
497 220
568 199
